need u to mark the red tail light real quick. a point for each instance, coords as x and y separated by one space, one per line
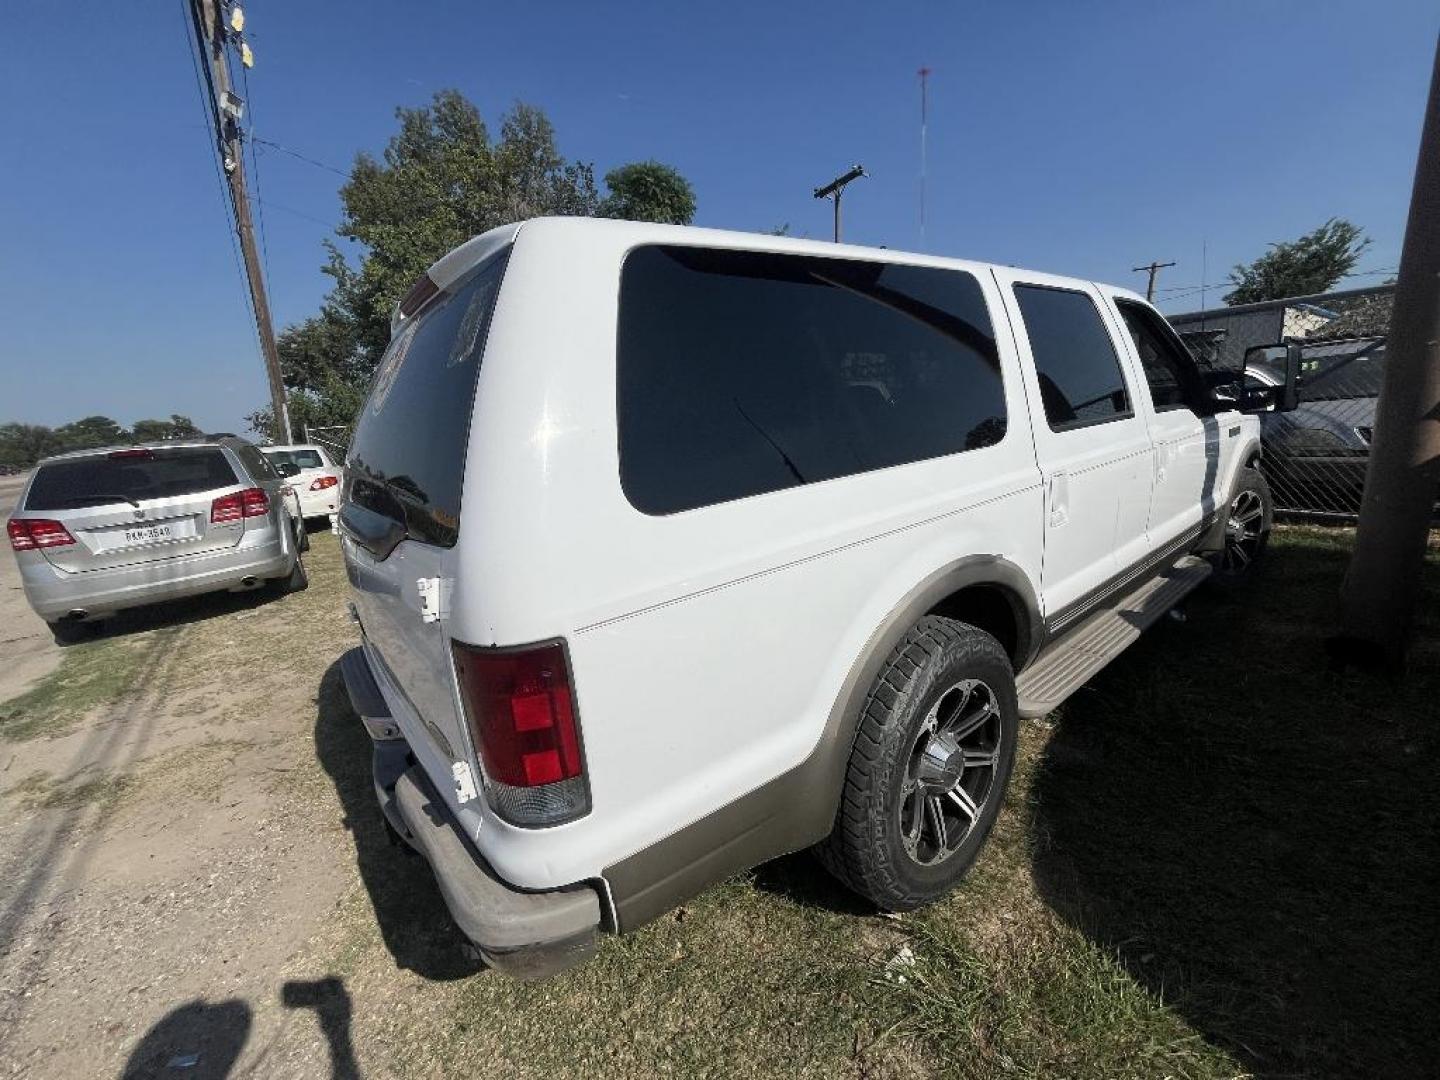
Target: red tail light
140 453
520 706
252 502
320 483
27 534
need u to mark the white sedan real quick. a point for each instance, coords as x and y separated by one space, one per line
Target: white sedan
317 483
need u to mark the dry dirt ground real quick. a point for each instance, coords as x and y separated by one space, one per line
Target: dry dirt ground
195 881
24 639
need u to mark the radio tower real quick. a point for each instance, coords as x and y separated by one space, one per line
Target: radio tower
924 74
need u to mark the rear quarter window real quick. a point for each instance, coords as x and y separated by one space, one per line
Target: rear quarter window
407 458
129 477
741 373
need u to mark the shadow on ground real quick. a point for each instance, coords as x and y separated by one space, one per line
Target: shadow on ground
191 609
203 1040
1255 836
413 920
200 1039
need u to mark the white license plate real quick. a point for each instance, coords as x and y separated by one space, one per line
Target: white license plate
149 534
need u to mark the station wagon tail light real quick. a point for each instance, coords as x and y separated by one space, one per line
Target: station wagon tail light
28 534
320 483
520 705
252 502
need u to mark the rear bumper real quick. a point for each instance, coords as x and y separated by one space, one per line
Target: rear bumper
318 503
530 935
53 593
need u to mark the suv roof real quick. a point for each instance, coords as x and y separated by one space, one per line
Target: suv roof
154 444
452 266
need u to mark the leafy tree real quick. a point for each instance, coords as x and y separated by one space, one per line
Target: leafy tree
177 427
441 180
1311 264
22 445
90 432
648 191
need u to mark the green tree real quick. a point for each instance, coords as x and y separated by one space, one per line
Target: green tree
177 427
1311 264
648 191
91 431
441 180
21 445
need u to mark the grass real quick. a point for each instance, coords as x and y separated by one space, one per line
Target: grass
93 674
1217 860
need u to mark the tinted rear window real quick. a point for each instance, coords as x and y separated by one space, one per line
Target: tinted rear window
407 458
101 480
301 459
744 372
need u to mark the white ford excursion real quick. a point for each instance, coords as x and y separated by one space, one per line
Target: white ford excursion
676 550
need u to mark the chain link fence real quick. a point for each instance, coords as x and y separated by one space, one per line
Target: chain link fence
1315 458
334 439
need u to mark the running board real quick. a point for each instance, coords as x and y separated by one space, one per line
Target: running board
1070 661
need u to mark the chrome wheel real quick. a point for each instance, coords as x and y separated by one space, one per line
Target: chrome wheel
1243 532
951 772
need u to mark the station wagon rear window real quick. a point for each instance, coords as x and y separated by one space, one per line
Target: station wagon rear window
741 372
129 476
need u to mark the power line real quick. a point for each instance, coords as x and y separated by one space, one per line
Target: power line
296 154
298 213
208 115
255 168
213 40
1153 269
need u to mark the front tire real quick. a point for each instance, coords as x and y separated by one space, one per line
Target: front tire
1249 518
932 759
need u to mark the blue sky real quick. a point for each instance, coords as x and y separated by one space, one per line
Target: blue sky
1078 138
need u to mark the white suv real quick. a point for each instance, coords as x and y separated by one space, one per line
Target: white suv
675 550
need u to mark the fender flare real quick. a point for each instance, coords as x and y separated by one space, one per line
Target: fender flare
797 809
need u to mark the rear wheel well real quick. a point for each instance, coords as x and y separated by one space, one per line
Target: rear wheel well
997 611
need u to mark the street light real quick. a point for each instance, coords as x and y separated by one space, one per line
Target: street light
836 188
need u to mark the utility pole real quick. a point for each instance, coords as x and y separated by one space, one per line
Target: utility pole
1382 583
836 188
924 74
1154 268
211 37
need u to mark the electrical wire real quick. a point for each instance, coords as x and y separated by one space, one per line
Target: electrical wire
255 170
303 157
211 120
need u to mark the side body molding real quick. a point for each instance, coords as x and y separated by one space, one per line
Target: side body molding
797 809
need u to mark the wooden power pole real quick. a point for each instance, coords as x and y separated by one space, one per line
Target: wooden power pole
211 37
1382 584
1154 268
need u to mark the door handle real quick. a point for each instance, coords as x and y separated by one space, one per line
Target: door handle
1059 499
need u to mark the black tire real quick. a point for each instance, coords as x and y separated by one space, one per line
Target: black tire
302 535
71 632
1249 516
871 848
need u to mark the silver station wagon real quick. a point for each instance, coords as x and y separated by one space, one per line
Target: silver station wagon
97 531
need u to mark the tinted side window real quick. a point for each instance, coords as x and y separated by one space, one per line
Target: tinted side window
407 458
1170 372
744 372
255 462
1075 360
